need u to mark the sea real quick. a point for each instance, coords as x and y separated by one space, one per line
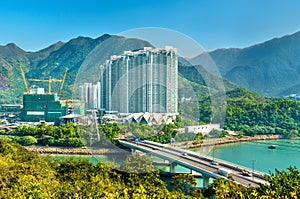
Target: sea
258 156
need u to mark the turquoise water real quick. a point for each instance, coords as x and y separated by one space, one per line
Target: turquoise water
258 155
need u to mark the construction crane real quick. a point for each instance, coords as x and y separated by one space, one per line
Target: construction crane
51 80
24 79
62 82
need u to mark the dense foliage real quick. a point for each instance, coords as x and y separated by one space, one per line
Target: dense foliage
106 135
164 136
282 184
47 135
27 175
252 114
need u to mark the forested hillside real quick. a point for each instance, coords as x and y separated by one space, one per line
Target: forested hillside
251 114
52 61
246 112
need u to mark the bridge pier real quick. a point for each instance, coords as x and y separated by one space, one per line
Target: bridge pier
205 180
172 168
133 151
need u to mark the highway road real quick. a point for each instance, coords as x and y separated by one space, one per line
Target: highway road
195 162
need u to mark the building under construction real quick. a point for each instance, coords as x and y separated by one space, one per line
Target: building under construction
38 105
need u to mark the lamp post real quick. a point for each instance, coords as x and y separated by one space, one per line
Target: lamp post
252 161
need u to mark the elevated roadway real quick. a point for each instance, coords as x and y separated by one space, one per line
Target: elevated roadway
195 162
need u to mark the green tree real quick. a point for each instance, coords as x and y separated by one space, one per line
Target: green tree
222 188
184 182
26 140
283 184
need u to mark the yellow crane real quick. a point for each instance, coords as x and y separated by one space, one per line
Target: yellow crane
62 82
51 80
24 79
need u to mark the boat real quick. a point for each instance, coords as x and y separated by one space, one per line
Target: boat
273 146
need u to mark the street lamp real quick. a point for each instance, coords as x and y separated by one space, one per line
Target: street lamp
252 161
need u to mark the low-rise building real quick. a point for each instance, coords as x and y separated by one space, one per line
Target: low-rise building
204 129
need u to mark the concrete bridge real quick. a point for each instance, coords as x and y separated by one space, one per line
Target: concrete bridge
195 162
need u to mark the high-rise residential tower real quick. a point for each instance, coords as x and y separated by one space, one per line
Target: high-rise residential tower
141 81
90 94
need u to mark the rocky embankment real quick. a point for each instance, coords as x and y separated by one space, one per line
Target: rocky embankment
74 151
219 141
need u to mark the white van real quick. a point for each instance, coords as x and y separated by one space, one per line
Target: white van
224 172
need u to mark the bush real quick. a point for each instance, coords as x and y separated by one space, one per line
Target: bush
48 140
75 142
3 132
218 134
69 142
183 137
26 140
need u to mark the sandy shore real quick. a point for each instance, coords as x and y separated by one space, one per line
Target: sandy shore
74 151
219 141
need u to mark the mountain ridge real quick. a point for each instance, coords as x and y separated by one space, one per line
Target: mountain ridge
53 61
270 68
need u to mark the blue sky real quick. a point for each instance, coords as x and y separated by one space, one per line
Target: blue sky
34 25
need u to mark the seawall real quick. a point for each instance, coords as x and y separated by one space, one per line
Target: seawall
219 141
75 151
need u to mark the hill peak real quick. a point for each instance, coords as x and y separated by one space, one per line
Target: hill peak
13 46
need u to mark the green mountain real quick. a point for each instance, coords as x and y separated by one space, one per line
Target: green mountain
83 56
53 61
271 68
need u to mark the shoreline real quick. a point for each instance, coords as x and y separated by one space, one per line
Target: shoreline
229 140
74 151
114 151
